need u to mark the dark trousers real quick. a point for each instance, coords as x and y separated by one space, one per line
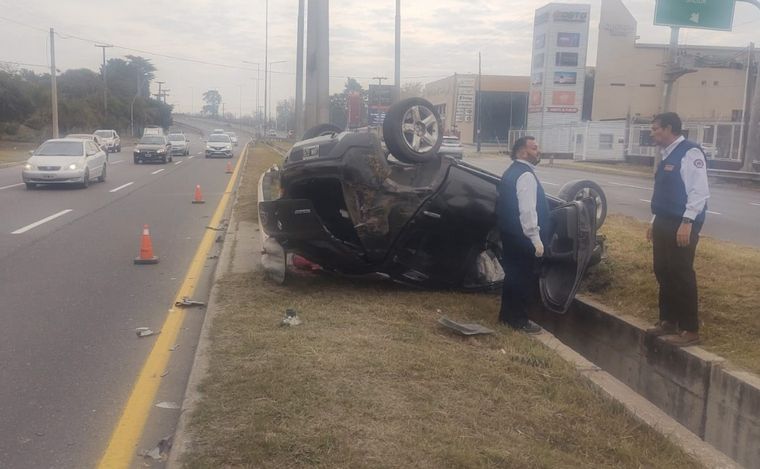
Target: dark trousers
520 288
674 269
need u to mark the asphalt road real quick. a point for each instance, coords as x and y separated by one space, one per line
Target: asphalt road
733 212
71 298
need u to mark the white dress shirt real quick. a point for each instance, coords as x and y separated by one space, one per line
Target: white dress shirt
694 176
527 197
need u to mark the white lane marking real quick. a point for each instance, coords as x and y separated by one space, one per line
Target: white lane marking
122 186
157 171
645 200
21 184
44 220
751 203
199 153
549 183
714 213
117 161
178 162
629 185
191 157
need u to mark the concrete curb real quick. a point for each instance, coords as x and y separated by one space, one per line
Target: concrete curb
182 438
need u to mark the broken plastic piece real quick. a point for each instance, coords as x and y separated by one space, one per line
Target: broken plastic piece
144 332
464 329
160 451
167 405
185 301
291 318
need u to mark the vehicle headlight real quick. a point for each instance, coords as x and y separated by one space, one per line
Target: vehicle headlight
28 166
161 150
137 150
73 166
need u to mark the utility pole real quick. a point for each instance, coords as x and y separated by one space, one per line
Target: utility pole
105 81
397 70
299 71
477 103
752 148
379 80
317 103
266 59
53 84
159 89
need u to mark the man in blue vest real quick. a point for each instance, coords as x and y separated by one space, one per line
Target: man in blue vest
523 216
679 203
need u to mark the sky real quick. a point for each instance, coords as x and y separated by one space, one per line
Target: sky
439 38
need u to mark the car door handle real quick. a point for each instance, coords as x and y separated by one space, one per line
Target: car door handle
431 214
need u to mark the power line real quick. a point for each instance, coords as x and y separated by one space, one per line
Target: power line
24 64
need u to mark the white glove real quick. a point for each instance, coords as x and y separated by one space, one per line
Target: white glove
539 249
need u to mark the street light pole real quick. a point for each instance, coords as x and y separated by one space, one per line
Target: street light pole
105 81
270 82
266 59
299 71
257 117
53 84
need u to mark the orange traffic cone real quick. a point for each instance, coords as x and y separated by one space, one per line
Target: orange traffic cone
198 199
146 249
229 168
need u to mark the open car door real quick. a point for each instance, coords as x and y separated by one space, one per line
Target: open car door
569 253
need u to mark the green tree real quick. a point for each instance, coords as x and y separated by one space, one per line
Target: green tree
213 99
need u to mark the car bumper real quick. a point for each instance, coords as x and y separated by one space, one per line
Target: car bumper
111 146
219 153
178 150
150 156
52 177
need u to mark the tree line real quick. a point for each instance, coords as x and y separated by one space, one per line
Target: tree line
25 100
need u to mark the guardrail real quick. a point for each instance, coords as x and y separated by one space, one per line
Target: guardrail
735 175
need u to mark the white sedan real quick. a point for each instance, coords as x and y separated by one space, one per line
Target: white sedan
65 161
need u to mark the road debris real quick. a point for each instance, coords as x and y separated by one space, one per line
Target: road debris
161 450
174 349
186 301
145 332
167 405
291 318
464 329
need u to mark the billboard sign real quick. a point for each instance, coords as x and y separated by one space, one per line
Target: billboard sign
565 78
701 14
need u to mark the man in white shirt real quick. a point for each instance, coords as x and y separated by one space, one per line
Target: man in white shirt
524 222
679 204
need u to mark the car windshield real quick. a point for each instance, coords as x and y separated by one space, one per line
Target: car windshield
104 133
219 138
176 138
152 140
60 149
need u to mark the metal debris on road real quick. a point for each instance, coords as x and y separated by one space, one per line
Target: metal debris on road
291 318
186 301
145 332
464 329
176 346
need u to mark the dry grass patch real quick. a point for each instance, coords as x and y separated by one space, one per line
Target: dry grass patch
260 158
371 380
728 276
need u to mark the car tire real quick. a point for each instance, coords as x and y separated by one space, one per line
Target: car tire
412 131
86 179
31 186
578 189
102 177
171 158
118 149
321 129
136 160
163 160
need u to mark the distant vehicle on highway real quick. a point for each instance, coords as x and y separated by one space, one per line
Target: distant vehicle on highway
271 133
153 130
218 131
65 161
450 145
153 148
92 137
180 144
110 139
233 137
219 145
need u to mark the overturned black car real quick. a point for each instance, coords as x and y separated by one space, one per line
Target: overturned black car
344 202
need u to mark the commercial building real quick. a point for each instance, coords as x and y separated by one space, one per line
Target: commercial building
503 105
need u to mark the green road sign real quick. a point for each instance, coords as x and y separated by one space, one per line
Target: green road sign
702 14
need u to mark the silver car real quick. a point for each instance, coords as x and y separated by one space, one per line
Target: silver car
180 144
65 161
452 147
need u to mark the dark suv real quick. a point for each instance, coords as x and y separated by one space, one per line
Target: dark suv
153 148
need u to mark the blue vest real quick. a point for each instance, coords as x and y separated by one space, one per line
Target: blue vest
508 210
669 197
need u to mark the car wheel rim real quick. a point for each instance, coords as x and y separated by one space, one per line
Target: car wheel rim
420 129
589 192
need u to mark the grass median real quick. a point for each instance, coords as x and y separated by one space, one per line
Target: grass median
370 380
